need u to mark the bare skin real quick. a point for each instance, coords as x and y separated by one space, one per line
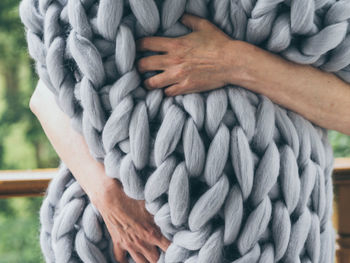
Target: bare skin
207 59
130 225
204 59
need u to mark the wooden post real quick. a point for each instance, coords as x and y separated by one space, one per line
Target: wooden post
341 180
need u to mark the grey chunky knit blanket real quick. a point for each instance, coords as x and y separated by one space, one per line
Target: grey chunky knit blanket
228 175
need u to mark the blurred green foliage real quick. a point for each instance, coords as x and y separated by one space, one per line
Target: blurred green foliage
23 144
340 144
19 228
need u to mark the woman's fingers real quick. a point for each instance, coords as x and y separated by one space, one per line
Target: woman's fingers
162 242
148 251
153 63
175 90
155 43
154 236
160 80
193 22
120 254
139 258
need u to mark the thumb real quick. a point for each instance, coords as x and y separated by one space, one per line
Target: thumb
192 21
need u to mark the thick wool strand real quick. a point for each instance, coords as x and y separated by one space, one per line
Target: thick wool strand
229 175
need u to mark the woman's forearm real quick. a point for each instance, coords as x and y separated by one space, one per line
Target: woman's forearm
126 219
73 149
320 97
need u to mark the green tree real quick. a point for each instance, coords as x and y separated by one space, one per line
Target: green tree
17 82
23 144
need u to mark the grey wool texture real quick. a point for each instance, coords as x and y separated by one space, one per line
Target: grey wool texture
228 175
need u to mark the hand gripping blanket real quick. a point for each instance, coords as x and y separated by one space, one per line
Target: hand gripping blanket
228 175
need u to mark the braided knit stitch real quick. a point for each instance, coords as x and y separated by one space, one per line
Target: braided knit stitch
228 175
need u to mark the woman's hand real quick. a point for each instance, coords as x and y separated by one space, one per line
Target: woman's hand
207 59
192 63
117 210
131 227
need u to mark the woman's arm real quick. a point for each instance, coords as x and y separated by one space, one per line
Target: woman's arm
56 126
319 96
131 227
207 59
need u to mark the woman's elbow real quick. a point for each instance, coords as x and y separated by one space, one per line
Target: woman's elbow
34 102
42 99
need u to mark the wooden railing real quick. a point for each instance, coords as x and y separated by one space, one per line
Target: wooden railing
25 182
341 219
35 182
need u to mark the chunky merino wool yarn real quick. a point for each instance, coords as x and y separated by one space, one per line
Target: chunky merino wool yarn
228 175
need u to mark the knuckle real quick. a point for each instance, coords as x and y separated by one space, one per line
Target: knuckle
184 85
177 59
153 233
180 72
187 83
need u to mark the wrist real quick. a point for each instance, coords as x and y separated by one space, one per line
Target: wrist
105 192
239 62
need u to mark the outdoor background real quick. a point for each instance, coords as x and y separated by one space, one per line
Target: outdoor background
23 144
